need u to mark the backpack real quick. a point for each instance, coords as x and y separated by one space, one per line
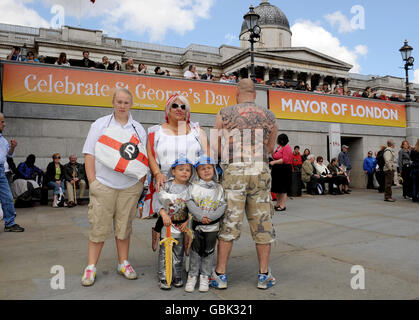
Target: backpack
380 159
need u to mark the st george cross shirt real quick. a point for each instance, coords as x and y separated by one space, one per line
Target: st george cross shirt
105 175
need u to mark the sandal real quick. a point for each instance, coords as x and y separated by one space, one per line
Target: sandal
278 208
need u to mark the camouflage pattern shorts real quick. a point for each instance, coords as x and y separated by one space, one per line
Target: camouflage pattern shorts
249 192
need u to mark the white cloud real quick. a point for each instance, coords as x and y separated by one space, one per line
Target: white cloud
416 77
230 38
340 19
16 12
314 36
154 18
361 50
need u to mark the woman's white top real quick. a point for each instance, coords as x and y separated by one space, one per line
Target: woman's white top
170 148
105 175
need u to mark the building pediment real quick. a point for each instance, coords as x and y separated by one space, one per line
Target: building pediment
304 56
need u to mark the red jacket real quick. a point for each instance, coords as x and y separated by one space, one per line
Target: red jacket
296 160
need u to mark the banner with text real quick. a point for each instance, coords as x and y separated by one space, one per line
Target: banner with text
312 107
36 84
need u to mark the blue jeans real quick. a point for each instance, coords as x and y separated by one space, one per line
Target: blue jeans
6 200
56 187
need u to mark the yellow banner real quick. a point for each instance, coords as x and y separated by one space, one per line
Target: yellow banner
328 108
42 84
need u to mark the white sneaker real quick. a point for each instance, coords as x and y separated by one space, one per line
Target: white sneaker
190 284
203 283
127 270
89 276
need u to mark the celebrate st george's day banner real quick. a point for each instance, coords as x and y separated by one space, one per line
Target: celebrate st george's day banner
50 85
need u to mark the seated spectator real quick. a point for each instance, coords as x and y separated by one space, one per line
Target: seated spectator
296 160
54 177
288 85
26 185
305 155
341 180
394 97
348 93
367 92
223 78
158 71
15 54
301 86
191 73
339 89
31 58
357 94
308 87
142 68
232 78
273 84
325 175
402 98
280 84
318 89
62 60
325 88
116 66
28 171
86 62
309 175
74 175
383 96
208 75
129 66
105 65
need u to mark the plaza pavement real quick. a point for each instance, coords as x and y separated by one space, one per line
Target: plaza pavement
319 240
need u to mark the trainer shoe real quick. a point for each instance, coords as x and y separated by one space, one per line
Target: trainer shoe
89 276
178 283
266 281
203 283
190 284
218 281
127 270
14 228
164 285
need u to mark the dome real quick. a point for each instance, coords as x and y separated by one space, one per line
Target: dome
269 15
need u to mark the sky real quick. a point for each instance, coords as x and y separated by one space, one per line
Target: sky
365 33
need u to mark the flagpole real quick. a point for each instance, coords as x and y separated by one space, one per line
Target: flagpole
80 13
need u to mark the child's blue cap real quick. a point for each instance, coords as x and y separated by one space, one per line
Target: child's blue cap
202 160
180 161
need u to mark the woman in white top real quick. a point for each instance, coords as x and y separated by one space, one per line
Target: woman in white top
325 175
176 138
113 195
62 60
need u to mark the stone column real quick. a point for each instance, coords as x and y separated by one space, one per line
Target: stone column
281 74
345 85
266 75
321 81
295 76
333 84
308 79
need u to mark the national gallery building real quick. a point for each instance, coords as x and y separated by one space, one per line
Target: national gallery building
50 108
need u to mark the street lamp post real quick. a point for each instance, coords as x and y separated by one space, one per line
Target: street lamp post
252 19
406 52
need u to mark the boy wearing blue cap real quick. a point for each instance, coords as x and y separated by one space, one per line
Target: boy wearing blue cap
207 204
174 213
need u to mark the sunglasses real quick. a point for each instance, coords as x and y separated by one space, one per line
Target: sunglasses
57 157
175 106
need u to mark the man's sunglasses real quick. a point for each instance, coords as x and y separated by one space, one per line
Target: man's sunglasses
175 106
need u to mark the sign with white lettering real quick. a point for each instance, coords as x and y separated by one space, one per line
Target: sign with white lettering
337 109
68 86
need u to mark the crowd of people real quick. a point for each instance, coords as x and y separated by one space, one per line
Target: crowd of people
388 168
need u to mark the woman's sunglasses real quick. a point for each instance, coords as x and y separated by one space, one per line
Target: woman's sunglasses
57 157
175 106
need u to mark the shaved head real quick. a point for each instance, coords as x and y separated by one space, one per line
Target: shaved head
246 91
246 86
